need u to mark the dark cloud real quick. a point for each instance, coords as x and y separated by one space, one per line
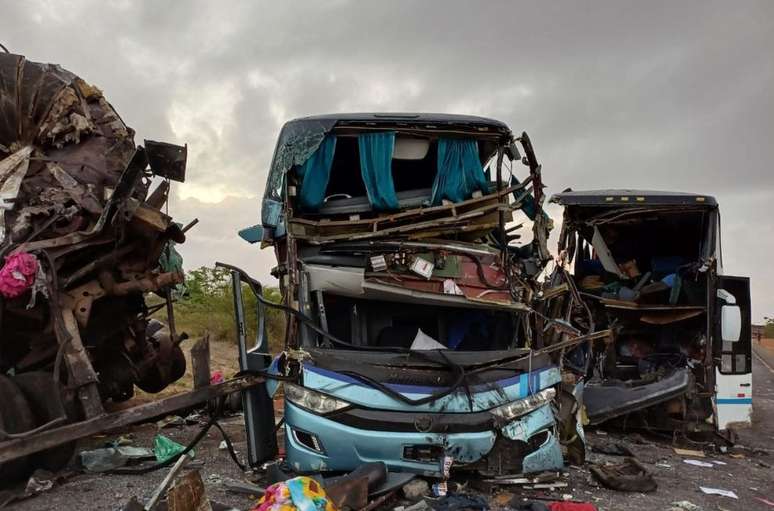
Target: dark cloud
665 95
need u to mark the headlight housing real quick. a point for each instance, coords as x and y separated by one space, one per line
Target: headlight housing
518 408
313 401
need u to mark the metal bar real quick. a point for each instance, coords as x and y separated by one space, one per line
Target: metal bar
17 448
83 375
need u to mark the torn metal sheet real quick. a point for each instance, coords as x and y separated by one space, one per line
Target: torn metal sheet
12 172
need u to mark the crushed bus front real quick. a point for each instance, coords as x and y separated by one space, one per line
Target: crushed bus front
409 283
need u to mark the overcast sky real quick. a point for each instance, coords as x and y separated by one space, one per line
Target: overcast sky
660 95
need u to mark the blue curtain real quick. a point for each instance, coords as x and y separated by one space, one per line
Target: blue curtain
376 169
459 171
314 174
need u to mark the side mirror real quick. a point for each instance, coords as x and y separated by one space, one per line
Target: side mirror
730 317
253 234
730 323
512 151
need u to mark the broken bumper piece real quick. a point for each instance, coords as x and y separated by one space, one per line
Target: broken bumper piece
607 401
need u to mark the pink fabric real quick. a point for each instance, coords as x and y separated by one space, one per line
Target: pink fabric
216 377
18 274
571 506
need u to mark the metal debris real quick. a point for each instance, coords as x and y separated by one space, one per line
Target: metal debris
73 190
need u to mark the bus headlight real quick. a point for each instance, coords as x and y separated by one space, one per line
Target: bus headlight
313 401
518 408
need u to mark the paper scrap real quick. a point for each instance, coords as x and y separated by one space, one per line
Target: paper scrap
718 491
451 288
698 463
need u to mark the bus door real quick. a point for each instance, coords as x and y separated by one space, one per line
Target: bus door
732 401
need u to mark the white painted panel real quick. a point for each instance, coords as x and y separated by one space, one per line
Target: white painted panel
733 399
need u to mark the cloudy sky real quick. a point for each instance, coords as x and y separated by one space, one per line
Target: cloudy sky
660 95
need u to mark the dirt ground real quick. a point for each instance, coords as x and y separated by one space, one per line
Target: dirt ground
746 469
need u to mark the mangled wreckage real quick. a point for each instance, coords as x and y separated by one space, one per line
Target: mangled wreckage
81 240
411 336
647 265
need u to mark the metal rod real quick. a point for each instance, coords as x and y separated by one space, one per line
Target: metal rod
190 224
161 488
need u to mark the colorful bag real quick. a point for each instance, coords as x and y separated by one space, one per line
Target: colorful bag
297 494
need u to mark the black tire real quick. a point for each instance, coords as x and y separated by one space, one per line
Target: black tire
15 417
42 392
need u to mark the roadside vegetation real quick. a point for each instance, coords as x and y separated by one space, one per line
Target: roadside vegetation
768 328
207 304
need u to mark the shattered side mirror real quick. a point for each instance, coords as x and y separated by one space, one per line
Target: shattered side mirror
167 160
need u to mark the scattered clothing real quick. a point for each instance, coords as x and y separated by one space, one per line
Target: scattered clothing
571 506
297 494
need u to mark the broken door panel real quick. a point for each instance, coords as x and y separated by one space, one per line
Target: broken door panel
605 401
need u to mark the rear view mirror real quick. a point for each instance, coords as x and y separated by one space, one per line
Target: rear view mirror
512 151
730 323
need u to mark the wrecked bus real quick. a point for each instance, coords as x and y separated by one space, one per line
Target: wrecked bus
84 238
648 265
397 238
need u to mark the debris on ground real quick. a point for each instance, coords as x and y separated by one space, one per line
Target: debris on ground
188 494
300 493
170 421
166 482
416 490
697 463
422 505
629 475
718 491
689 452
612 449
571 506
243 487
102 460
459 501
765 501
165 448
684 505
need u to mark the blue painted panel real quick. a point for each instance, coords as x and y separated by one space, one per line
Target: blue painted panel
485 397
734 401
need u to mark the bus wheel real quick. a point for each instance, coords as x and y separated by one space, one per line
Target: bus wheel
15 417
48 402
